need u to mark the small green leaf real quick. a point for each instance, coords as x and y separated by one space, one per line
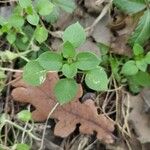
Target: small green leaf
66 5
33 73
138 49
65 90
50 61
141 64
129 68
33 19
2 74
24 115
22 147
25 3
142 79
75 34
6 27
96 79
103 48
11 37
41 34
147 58
68 50
16 21
142 31
69 70
53 16
129 6
87 61
45 7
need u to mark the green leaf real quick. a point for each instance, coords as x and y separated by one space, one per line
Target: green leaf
141 78
129 68
45 7
142 31
103 48
53 16
141 64
24 115
129 6
33 19
16 21
68 50
87 61
138 49
96 79
75 34
2 21
67 5
147 58
2 74
69 70
33 73
22 147
65 90
25 3
50 61
41 34
11 37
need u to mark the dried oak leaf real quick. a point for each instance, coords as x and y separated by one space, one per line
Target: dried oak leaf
68 115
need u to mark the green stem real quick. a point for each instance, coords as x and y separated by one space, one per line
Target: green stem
22 129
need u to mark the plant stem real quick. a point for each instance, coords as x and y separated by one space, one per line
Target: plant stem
50 113
22 129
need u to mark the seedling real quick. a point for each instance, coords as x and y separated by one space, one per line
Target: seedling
69 63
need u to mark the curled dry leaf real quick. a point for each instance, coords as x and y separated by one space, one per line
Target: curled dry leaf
68 115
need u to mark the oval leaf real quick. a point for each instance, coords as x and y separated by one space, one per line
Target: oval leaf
65 90
50 61
68 50
138 49
147 58
141 64
33 73
25 3
45 7
129 68
41 34
96 79
75 34
69 70
87 61
24 115
33 19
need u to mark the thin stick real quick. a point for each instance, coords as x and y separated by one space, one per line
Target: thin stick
90 29
22 129
11 70
43 136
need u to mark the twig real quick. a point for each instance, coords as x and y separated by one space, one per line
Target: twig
8 1
22 129
90 29
11 70
6 104
43 136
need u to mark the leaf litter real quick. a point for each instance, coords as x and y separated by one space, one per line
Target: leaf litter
139 105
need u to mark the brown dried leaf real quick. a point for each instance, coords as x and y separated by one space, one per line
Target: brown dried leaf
68 115
139 119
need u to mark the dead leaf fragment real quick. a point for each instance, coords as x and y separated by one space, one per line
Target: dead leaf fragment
68 115
139 119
